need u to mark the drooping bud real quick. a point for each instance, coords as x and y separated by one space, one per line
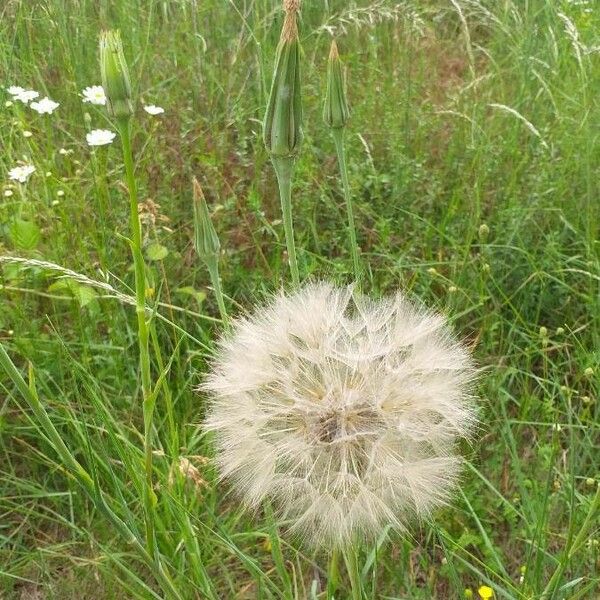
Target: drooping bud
206 240
115 75
282 129
335 111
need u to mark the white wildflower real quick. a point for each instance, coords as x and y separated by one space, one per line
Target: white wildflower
94 95
8 193
26 96
27 134
45 106
154 110
21 174
100 137
15 90
342 411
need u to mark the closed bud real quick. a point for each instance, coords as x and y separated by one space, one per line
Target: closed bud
206 240
335 112
282 130
115 75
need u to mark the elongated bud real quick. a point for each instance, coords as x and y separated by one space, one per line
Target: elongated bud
335 111
206 240
282 130
115 75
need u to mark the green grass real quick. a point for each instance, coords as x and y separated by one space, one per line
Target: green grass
464 113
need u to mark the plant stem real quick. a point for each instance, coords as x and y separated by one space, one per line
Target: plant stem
213 270
338 138
143 336
284 168
333 574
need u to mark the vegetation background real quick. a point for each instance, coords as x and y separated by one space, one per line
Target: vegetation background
474 154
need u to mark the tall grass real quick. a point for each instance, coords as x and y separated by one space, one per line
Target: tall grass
463 114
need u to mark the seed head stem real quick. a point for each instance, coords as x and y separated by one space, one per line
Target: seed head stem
338 138
284 168
148 398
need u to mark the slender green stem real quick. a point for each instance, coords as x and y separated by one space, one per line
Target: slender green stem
284 168
143 335
213 270
333 574
351 558
338 138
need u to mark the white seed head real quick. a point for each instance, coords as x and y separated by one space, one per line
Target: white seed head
342 411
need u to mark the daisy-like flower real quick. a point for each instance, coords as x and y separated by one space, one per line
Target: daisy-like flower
45 106
94 95
342 411
100 137
153 110
26 96
21 174
15 90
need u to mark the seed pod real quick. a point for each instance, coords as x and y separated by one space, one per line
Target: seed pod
335 111
282 130
206 240
115 75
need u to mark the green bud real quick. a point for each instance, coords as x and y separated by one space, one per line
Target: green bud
206 240
335 111
282 129
115 75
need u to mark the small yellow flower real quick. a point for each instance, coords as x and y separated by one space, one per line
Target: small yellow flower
486 592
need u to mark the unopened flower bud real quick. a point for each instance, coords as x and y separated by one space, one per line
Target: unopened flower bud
335 111
484 231
282 130
206 240
115 75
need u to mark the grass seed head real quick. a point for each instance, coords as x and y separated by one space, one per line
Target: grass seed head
341 411
115 75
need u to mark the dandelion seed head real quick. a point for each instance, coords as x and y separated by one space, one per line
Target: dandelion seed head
94 95
21 173
45 106
344 412
100 137
154 110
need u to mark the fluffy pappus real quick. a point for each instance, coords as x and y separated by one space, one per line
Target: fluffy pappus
343 412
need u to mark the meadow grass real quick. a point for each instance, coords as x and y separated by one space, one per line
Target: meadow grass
472 152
